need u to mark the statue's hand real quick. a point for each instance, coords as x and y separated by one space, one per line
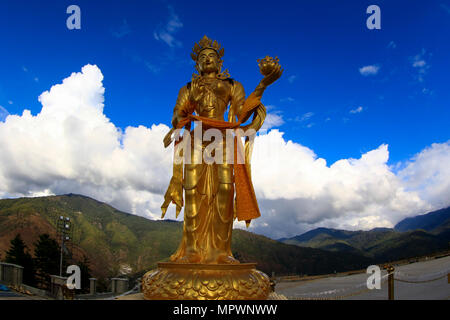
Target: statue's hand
197 89
271 70
273 76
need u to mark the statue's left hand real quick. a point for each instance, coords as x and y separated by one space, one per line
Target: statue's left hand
268 79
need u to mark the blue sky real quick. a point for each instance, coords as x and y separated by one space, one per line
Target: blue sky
321 45
360 118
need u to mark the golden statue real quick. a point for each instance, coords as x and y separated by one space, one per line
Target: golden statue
216 193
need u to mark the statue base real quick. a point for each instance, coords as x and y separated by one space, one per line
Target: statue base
177 281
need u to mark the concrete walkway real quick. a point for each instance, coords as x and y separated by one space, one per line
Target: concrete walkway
354 287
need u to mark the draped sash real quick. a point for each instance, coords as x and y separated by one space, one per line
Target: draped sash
246 204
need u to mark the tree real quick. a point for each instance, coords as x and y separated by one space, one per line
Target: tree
47 258
18 253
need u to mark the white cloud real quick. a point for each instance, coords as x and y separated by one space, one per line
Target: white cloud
427 91
306 116
357 110
392 45
287 99
369 70
272 120
298 191
292 78
166 32
420 65
3 113
445 7
122 31
428 173
152 68
71 146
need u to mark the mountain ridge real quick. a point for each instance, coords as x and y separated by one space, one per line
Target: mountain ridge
428 221
112 239
420 235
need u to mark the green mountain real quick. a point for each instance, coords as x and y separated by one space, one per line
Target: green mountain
428 222
412 237
116 241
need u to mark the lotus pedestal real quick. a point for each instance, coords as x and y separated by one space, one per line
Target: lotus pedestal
176 281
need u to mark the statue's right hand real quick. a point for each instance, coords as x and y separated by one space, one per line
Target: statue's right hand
196 89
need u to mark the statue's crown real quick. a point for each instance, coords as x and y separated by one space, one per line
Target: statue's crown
206 43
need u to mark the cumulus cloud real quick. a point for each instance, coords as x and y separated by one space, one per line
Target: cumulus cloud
298 191
428 173
369 70
71 146
272 120
166 32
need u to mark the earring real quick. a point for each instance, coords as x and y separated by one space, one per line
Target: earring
222 75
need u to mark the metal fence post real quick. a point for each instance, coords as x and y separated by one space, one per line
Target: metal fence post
390 270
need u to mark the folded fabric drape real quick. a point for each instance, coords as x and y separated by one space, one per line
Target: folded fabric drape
246 204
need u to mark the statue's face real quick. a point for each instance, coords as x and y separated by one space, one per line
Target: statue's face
208 61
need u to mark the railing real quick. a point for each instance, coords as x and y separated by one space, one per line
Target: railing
11 274
298 277
362 288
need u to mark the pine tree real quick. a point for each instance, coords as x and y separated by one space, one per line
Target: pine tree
47 258
18 254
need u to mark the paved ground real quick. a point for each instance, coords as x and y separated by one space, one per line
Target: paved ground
12 295
7 294
351 287
354 287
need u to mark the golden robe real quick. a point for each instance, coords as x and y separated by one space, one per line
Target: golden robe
210 205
